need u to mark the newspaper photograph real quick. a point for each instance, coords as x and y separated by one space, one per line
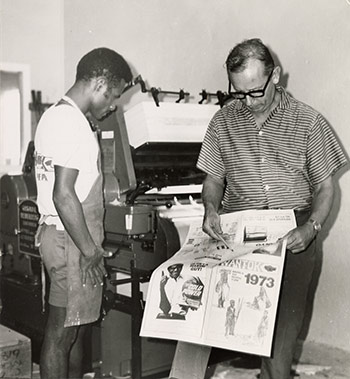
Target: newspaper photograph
222 293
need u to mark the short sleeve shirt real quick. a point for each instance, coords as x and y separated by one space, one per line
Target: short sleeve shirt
275 166
64 138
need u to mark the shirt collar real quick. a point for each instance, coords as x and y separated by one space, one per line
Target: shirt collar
285 98
70 101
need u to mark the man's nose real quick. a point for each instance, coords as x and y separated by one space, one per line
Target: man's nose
248 100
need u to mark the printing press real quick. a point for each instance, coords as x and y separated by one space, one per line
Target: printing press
21 295
152 190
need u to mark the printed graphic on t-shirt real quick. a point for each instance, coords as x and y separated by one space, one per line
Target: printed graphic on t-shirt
43 166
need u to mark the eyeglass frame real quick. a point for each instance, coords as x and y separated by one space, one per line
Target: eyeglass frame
250 93
128 86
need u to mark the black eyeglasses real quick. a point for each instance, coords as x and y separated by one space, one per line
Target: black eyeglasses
128 86
253 94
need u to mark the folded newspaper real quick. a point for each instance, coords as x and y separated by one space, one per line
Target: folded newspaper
222 293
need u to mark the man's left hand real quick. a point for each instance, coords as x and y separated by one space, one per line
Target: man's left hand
300 238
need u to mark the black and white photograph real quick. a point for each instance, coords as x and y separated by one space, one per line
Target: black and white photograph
162 163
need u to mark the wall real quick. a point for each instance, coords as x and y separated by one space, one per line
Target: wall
32 33
32 37
183 44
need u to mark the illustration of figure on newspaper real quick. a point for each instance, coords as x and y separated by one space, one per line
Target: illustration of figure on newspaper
179 294
222 288
255 310
232 314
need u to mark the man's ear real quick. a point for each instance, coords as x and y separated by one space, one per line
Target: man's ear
276 75
100 84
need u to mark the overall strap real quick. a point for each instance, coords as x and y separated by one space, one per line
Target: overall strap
63 102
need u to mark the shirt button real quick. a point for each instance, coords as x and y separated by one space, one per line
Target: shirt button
267 187
260 132
263 160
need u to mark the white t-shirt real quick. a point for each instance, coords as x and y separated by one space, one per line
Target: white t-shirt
173 290
64 138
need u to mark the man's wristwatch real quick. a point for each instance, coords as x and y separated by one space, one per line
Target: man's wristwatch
315 224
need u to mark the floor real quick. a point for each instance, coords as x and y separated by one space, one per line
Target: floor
316 362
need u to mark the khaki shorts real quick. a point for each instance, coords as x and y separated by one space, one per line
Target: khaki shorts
54 252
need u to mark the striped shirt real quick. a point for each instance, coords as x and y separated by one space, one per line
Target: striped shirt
276 166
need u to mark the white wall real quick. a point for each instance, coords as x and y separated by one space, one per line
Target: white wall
31 36
184 44
32 33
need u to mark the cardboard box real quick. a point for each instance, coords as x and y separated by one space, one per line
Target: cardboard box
15 354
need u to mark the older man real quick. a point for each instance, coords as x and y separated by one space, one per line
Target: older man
267 150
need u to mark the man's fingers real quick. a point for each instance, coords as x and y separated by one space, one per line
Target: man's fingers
83 277
217 236
107 254
92 277
87 277
212 229
100 273
93 270
103 269
210 232
296 250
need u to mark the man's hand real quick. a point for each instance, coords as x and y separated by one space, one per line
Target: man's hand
300 238
212 193
92 267
163 280
212 225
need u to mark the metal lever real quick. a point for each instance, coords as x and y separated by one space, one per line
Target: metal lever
155 92
221 98
181 96
139 80
204 95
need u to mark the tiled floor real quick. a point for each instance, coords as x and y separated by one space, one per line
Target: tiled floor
316 362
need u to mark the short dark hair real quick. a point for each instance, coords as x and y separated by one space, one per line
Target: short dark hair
104 62
249 49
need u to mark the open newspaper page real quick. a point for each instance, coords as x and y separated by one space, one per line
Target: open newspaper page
222 293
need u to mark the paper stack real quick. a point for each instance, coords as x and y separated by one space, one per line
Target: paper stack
171 122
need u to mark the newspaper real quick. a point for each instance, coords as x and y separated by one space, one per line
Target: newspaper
222 293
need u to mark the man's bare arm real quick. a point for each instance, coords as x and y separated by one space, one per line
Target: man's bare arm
71 214
299 238
212 193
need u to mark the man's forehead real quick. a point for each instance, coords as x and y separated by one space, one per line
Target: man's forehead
250 78
252 70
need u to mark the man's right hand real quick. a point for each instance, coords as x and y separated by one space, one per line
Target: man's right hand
212 193
92 268
163 280
212 224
